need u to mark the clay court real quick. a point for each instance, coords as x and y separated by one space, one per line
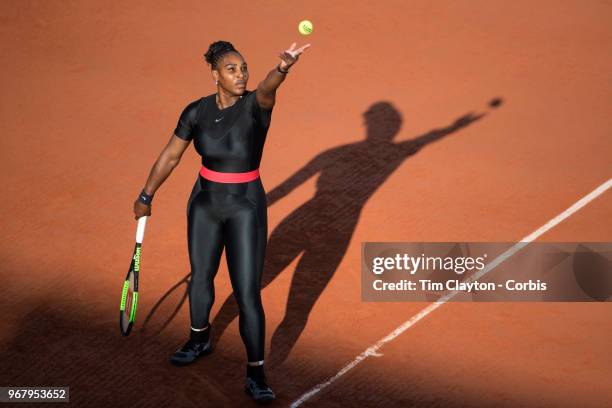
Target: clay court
92 91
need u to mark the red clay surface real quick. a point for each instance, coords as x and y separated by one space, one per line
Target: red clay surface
93 90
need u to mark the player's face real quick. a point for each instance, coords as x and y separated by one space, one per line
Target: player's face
233 73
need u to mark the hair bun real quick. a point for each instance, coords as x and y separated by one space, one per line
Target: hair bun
216 50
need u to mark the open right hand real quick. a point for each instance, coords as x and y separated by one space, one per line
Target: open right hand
291 55
140 209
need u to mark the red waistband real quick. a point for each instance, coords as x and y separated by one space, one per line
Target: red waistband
229 177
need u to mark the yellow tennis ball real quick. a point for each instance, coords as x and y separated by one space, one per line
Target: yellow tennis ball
305 27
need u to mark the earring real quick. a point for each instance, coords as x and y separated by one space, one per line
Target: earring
216 82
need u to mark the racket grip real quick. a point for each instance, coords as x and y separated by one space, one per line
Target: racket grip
142 221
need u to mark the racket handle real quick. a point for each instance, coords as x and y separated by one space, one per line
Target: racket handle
142 221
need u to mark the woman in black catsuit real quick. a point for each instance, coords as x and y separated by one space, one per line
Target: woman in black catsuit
227 207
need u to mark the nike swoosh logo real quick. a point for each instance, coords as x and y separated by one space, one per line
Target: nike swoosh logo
218 120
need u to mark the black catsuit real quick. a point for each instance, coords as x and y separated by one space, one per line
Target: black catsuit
230 215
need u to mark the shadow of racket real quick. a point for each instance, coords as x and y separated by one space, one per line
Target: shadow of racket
167 296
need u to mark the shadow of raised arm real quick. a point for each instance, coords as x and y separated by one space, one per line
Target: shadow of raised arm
437 134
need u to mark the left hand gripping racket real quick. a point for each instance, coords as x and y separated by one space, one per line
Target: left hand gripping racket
129 295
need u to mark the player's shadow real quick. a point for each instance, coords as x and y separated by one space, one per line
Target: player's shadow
321 228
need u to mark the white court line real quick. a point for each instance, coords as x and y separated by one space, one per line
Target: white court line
373 350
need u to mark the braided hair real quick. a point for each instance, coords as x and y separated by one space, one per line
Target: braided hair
216 51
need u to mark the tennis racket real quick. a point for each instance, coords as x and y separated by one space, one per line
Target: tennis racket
129 295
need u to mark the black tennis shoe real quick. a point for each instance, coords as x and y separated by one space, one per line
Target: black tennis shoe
259 390
190 352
